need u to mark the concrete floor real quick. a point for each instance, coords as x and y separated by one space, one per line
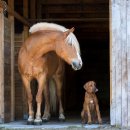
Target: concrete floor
73 124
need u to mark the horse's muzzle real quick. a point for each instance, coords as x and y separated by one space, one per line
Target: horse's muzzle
76 64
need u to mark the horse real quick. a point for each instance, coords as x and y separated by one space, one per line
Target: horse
42 57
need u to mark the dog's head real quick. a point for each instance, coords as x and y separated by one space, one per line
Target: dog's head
90 87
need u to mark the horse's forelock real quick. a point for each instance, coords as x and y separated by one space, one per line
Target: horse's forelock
71 39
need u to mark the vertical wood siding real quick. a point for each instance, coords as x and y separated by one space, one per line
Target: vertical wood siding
120 62
1 67
128 56
5 69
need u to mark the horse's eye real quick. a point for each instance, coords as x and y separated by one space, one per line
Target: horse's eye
70 44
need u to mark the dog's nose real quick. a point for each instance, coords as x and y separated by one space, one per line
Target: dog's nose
76 64
95 89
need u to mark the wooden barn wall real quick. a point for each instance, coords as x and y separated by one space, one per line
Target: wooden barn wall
120 62
20 101
72 9
1 67
5 69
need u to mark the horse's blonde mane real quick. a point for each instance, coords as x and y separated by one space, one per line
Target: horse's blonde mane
71 39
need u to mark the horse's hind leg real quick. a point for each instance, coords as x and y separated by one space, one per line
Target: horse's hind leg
26 82
41 84
58 80
46 115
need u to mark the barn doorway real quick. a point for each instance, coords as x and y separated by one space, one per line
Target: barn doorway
95 56
91 21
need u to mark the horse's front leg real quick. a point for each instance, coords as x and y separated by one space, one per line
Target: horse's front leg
41 84
26 82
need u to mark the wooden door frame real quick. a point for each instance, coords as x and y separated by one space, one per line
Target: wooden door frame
119 21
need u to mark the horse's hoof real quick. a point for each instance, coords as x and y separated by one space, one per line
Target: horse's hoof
30 122
46 118
37 122
61 118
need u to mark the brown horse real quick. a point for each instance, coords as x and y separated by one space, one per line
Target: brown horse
40 58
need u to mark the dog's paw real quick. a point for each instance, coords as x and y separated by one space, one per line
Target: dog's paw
83 122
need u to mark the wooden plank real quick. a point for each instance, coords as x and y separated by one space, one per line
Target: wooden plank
112 71
84 20
39 8
59 11
124 63
1 66
18 16
118 59
128 55
116 64
33 9
26 30
25 14
75 1
11 18
72 7
19 102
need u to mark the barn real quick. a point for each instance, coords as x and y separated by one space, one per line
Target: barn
103 31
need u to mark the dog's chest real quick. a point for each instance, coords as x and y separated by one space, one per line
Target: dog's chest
91 101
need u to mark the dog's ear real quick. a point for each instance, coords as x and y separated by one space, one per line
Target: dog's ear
85 86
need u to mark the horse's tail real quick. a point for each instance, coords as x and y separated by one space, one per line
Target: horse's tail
53 96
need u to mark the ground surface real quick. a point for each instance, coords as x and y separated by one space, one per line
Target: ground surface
56 125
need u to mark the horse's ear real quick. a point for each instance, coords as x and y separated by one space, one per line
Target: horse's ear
66 33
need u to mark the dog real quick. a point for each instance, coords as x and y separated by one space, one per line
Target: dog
90 112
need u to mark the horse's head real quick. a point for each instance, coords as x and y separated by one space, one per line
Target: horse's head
68 51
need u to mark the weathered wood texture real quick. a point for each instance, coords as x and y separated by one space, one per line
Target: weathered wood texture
128 56
11 18
120 81
7 70
5 62
19 92
1 66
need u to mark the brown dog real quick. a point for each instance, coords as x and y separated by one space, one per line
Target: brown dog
90 110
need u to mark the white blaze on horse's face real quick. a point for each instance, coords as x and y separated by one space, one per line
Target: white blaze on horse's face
68 52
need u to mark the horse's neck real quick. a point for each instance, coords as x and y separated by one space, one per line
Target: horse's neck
38 51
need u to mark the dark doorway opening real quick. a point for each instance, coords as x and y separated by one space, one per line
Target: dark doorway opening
95 56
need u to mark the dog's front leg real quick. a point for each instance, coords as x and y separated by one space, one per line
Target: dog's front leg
83 117
89 115
98 114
